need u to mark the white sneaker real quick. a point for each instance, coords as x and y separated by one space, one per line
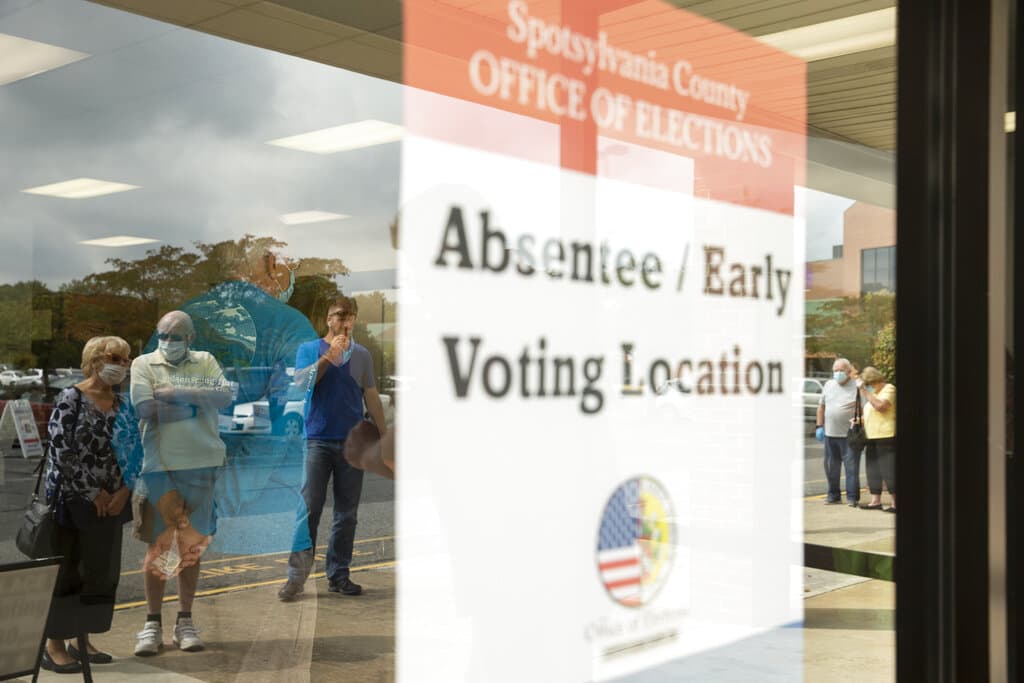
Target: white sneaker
149 640
186 636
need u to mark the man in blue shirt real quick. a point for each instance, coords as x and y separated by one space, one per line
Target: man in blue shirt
343 381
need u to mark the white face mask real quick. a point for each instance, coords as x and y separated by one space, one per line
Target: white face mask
113 373
173 351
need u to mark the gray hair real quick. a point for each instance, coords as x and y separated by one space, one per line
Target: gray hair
844 362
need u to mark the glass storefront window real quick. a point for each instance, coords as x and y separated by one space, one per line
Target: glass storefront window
588 270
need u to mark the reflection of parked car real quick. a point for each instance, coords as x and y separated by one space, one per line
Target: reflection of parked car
33 377
812 390
254 418
10 378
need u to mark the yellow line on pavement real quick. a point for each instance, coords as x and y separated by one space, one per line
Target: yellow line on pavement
863 491
257 584
233 558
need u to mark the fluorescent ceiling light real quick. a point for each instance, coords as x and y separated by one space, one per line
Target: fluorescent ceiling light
1010 121
119 241
341 138
838 37
21 58
302 217
80 188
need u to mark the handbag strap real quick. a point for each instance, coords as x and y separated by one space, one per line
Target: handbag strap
74 429
858 411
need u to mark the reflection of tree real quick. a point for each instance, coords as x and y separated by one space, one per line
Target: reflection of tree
16 322
849 327
374 307
127 300
171 275
39 326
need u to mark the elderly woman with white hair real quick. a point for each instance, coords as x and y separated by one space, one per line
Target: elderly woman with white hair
880 426
92 493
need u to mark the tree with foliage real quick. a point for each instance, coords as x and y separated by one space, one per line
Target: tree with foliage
848 327
884 356
171 275
375 307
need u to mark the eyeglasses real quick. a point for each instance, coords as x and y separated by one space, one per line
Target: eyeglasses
167 336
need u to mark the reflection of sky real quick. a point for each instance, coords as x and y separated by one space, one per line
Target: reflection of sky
185 115
824 222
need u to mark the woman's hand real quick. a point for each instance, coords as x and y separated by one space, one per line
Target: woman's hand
101 501
117 501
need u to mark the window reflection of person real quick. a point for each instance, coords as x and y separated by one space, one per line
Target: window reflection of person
248 326
84 472
344 380
177 392
880 426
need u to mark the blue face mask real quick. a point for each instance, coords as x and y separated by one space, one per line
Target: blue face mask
348 351
287 294
840 377
871 389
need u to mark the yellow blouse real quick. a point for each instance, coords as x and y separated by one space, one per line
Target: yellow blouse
881 425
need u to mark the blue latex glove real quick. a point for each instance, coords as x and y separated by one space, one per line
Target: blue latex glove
819 433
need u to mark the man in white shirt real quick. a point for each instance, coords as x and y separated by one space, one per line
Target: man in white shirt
176 393
835 410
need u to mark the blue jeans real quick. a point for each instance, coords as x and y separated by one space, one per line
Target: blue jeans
324 459
839 456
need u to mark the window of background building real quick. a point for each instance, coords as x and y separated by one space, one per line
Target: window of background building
878 270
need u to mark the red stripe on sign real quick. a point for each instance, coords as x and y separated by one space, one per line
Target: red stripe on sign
623 582
619 563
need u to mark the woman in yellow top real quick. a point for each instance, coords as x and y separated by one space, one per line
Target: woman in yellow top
880 425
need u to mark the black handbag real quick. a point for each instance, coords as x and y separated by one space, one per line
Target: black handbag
857 438
37 535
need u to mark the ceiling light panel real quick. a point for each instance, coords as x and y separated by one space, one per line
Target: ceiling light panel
119 241
80 188
21 58
848 35
342 138
303 217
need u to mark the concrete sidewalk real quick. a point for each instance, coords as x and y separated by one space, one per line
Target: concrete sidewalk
252 637
849 621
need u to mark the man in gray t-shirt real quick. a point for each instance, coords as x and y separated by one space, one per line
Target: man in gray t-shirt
835 410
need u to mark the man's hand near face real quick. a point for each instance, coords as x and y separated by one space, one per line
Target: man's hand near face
336 351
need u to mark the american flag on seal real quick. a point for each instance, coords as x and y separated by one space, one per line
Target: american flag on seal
618 547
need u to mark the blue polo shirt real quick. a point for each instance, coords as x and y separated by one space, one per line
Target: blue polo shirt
336 405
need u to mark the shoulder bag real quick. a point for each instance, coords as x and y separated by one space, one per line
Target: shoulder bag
37 535
857 438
